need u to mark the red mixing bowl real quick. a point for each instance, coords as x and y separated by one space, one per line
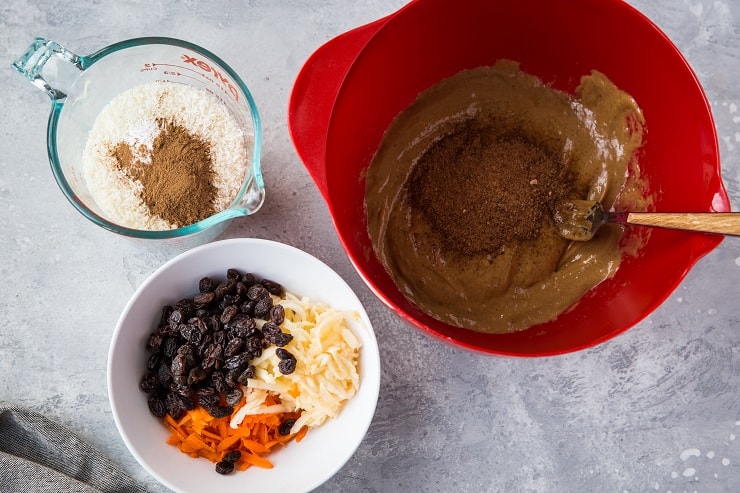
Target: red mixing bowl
351 88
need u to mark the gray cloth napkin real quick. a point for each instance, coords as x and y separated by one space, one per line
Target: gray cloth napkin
38 455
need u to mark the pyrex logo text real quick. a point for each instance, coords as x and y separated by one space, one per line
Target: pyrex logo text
219 77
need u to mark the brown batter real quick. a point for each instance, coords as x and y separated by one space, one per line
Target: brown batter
460 193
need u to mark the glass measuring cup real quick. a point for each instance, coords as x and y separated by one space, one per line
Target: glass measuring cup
81 86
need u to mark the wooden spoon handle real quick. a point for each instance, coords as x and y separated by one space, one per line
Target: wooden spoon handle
726 223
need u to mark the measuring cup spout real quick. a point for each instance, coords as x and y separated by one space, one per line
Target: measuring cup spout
33 66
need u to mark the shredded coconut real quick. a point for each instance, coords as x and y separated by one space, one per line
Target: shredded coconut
131 117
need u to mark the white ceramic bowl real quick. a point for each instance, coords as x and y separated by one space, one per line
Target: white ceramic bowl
298 466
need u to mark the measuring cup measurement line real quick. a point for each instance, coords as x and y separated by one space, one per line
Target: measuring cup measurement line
203 73
153 66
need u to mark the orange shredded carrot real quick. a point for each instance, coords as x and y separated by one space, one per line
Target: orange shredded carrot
256 460
301 433
199 434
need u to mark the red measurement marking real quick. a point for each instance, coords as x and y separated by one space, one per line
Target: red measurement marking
206 67
200 64
175 66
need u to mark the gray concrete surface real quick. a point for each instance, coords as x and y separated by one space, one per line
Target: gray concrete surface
656 409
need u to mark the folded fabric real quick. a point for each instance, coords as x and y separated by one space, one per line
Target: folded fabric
38 455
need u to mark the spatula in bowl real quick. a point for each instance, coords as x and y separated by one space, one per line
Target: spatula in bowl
579 219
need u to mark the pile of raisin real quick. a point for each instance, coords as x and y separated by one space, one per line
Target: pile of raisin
201 350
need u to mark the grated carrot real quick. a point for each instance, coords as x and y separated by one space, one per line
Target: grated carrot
199 434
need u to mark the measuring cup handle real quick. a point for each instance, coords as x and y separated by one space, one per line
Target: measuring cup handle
31 65
314 93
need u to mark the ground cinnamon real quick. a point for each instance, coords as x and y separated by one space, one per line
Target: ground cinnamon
177 183
482 189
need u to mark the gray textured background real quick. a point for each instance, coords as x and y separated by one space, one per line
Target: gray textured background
656 409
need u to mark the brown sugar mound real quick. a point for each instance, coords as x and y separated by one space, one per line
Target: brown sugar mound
482 190
178 183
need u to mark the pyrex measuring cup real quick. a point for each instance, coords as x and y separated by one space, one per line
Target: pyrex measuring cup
81 86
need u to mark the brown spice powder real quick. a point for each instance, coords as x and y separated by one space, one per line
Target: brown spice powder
177 185
482 190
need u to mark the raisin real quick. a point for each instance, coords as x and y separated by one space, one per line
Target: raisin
208 400
241 289
243 326
154 343
170 347
219 337
204 298
270 329
156 406
234 397
199 324
180 388
164 375
196 375
212 355
153 361
247 307
219 382
196 336
213 323
287 366
186 350
186 307
237 361
175 317
206 284
257 292
187 401
232 378
232 456
148 383
232 299
249 279
179 365
208 364
185 330
281 339
273 288
233 347
283 354
165 315
254 346
250 372
277 314
207 341
174 405
224 467
219 411
224 288
286 426
262 307
228 314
